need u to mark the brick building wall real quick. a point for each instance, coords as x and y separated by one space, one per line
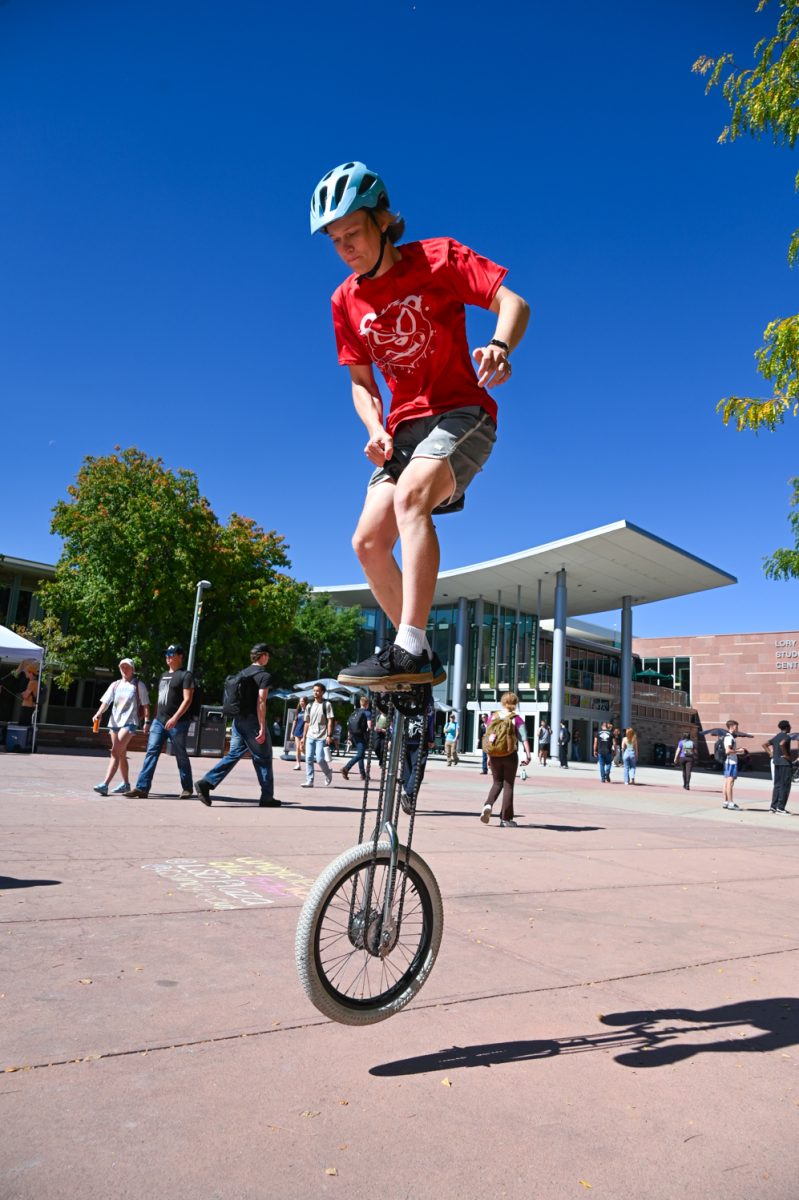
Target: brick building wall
751 677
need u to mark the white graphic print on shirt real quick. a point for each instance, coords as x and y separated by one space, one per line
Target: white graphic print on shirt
400 338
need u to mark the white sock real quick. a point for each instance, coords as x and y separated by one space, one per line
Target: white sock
411 639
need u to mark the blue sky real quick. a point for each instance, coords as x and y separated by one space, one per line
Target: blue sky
160 288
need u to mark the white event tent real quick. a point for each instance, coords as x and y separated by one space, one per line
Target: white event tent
17 649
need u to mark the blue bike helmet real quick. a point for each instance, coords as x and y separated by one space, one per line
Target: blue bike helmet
344 190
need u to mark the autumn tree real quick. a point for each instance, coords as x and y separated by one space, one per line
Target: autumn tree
137 537
764 99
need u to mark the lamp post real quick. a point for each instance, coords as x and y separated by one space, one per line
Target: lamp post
202 586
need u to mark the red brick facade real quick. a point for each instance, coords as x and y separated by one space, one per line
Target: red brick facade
751 677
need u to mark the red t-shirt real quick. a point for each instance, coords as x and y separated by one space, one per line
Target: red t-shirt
411 323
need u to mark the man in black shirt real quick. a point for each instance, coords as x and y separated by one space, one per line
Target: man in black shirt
779 749
175 692
603 750
249 732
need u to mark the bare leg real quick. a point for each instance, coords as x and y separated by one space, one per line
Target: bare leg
425 483
122 754
113 764
373 541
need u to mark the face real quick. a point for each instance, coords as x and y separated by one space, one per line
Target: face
174 661
356 240
318 693
126 671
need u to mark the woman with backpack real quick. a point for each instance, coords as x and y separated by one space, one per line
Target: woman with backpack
501 744
128 700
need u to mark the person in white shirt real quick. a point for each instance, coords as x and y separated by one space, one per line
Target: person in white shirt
318 737
730 764
128 700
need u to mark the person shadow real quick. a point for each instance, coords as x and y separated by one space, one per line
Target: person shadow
7 882
663 1030
652 1038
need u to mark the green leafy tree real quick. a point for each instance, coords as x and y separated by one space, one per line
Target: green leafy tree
764 99
321 642
137 538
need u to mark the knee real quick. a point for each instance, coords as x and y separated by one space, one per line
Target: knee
369 542
412 502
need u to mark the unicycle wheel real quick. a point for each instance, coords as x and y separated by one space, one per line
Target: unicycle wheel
349 971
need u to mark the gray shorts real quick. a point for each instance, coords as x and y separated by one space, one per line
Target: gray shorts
463 436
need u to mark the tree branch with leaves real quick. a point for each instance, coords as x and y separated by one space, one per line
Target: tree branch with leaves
764 99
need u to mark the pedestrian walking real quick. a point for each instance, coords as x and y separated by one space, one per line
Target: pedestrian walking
603 750
564 737
451 740
685 755
403 310
318 736
629 754
245 700
379 738
129 702
544 740
501 744
359 727
577 746
420 739
481 732
731 753
617 740
778 749
298 730
175 694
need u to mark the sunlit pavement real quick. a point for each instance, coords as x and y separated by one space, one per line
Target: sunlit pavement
613 1013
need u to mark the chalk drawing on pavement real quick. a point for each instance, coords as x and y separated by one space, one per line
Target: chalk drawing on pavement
233 882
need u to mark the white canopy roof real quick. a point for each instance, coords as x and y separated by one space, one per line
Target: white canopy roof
602 566
17 648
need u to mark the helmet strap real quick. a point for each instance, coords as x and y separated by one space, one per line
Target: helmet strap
383 240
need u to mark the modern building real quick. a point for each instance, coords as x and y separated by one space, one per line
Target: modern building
519 623
516 623
752 678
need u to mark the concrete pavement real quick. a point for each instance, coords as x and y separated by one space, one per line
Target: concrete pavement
613 1013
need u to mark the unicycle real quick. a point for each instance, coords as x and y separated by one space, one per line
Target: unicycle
371 926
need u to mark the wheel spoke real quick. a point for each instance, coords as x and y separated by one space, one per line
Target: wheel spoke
348 936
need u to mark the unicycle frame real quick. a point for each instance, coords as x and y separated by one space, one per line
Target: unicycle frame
371 926
386 826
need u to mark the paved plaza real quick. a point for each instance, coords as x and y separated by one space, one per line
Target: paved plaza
614 1011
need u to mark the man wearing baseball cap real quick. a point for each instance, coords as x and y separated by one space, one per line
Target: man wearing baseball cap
245 701
175 692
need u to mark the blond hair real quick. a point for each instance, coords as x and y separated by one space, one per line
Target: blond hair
509 699
629 733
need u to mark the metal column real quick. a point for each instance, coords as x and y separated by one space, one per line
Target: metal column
626 664
459 664
380 629
558 654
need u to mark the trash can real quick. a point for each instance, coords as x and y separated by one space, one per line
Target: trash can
213 731
19 737
192 736
659 754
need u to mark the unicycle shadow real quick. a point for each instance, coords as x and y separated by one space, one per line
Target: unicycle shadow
652 1038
